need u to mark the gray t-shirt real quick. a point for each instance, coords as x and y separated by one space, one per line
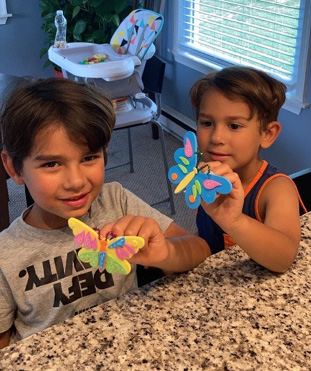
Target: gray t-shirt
42 281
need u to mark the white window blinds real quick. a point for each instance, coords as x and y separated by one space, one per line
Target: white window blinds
271 35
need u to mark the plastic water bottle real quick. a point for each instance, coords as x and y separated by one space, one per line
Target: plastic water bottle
61 30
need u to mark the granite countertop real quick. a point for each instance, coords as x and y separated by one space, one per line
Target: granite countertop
226 314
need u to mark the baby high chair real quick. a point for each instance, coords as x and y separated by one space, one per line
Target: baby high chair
120 74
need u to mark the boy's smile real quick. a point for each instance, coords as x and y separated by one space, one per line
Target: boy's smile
218 156
63 178
76 202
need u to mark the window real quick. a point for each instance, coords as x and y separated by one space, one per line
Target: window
272 35
3 13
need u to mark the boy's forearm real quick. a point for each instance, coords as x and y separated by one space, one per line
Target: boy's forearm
184 253
269 247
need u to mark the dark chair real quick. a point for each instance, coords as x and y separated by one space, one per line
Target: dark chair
4 199
7 84
302 179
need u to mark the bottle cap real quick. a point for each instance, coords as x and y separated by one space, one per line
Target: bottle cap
140 95
59 12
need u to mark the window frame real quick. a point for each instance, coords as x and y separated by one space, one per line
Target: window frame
295 99
4 15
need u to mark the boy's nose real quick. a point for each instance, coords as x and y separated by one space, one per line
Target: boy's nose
74 178
218 134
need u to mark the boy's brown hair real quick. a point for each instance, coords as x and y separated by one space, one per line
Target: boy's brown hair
263 94
86 114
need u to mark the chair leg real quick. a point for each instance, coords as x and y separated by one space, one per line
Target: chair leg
130 150
155 132
130 161
164 154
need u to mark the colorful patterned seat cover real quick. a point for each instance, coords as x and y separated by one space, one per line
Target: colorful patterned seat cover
137 32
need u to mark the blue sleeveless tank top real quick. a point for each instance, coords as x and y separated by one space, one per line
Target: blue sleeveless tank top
212 233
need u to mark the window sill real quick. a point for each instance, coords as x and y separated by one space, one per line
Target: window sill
4 17
292 104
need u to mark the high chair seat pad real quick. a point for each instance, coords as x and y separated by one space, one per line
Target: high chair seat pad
137 32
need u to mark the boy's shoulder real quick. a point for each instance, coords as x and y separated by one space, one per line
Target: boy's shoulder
20 235
114 193
112 187
11 231
10 240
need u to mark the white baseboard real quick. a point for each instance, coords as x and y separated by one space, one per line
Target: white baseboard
176 124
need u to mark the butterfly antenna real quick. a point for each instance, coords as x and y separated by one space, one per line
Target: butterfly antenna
203 167
199 158
110 235
98 232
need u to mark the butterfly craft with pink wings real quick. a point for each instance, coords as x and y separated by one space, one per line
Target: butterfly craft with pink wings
188 175
110 253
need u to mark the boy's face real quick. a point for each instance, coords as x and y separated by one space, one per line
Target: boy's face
63 178
226 134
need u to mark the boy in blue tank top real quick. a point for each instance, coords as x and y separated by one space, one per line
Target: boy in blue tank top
236 110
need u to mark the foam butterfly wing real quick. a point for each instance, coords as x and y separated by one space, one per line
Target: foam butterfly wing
186 159
109 254
206 187
187 175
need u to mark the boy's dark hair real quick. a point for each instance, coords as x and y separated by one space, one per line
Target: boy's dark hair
86 114
263 94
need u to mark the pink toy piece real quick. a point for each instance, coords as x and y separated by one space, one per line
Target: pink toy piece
188 148
79 238
210 184
122 253
89 242
129 248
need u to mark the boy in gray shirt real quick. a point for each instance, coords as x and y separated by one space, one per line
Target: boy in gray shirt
55 136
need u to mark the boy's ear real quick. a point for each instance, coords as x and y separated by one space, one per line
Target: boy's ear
270 134
9 167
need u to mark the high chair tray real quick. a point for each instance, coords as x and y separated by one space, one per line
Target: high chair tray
115 67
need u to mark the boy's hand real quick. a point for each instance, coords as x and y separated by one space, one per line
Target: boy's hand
155 249
226 209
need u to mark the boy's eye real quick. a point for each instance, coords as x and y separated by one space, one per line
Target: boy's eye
89 158
234 126
50 164
206 123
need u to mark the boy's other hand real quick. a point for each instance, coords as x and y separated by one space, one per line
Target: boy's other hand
155 249
226 209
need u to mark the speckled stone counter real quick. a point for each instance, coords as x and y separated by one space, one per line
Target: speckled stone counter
226 314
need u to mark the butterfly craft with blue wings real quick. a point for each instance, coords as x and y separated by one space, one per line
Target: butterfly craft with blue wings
110 253
188 175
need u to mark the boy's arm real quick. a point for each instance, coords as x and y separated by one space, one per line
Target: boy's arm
273 243
185 250
5 339
176 250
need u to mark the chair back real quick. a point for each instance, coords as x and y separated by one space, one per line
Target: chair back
302 179
152 78
4 199
137 32
153 74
